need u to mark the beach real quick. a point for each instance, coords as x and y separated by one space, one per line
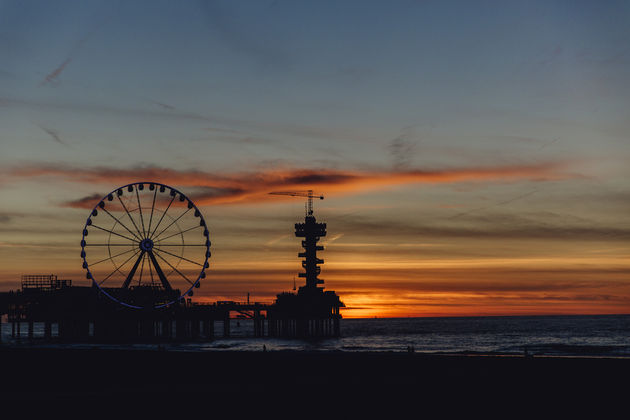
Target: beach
86 377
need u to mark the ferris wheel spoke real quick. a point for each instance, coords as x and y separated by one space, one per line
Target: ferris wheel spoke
129 214
162 218
152 208
177 256
140 210
159 272
172 223
133 271
114 233
121 223
119 267
180 232
175 269
108 245
112 257
183 245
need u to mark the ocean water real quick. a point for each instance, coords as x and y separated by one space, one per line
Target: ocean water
597 336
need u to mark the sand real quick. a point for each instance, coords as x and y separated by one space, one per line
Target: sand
159 380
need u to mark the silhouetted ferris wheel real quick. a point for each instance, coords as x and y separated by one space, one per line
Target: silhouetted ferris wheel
144 243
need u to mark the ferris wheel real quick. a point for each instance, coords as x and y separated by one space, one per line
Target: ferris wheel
145 245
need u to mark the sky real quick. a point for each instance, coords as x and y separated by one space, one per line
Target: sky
472 154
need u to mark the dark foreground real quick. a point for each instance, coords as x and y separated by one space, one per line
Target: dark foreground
69 379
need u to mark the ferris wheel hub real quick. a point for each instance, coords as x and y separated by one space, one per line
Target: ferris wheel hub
146 245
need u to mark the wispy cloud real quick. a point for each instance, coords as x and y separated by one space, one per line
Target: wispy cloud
220 123
500 203
5 218
221 188
86 202
229 28
496 226
401 150
163 105
53 133
403 147
52 76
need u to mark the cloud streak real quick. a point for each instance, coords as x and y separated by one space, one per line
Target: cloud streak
53 134
220 123
501 203
228 188
52 76
494 226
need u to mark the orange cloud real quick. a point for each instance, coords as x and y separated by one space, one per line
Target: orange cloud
224 188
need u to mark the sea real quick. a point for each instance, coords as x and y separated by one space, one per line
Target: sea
585 336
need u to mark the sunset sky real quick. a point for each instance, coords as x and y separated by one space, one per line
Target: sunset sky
473 155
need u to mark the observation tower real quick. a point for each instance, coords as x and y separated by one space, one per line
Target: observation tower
311 311
311 231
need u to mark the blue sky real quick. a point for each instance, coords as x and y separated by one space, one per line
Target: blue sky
316 76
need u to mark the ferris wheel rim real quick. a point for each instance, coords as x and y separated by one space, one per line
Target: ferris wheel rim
173 192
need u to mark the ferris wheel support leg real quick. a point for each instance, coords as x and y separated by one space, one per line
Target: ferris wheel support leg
159 271
133 271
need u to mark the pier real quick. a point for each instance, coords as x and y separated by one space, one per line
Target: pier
152 309
81 314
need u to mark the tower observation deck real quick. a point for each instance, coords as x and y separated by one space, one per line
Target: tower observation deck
311 231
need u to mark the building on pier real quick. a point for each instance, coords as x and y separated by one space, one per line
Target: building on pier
311 312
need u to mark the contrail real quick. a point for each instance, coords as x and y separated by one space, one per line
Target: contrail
53 134
501 203
50 77
163 105
549 143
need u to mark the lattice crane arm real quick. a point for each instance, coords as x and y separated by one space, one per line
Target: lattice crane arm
309 195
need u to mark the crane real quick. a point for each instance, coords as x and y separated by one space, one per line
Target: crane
308 194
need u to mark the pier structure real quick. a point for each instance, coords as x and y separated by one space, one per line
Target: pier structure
82 314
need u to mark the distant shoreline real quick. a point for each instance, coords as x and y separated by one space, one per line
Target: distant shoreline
347 318
52 347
